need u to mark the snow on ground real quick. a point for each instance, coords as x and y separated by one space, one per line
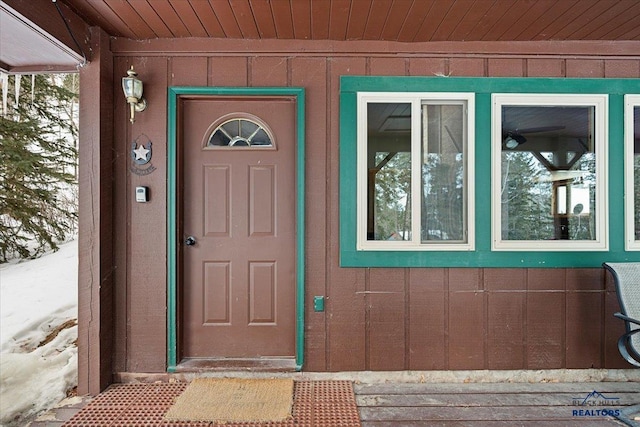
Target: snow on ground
38 353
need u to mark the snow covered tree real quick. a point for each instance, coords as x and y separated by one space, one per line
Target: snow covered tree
38 156
526 198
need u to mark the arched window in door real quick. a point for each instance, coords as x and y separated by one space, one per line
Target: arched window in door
240 130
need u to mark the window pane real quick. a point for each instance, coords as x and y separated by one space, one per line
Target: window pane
239 133
389 171
443 142
220 138
247 128
636 170
261 138
548 178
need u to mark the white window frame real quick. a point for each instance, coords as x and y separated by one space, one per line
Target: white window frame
601 104
630 101
415 99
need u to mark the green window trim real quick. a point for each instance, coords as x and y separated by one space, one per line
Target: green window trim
483 256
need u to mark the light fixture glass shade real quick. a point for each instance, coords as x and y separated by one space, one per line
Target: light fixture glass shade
511 143
131 86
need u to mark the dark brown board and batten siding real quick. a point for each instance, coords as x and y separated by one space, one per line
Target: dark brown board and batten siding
375 318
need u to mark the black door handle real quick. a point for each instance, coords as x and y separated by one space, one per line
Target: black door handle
190 241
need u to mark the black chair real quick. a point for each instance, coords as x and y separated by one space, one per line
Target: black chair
627 280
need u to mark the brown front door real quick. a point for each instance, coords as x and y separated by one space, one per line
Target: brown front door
238 210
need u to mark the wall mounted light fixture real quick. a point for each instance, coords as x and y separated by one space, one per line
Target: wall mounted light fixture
513 140
132 88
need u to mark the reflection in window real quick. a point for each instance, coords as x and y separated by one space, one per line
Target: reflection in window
417 157
548 177
240 132
636 171
442 184
632 172
548 181
389 171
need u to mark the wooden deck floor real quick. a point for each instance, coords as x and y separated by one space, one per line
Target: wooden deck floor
498 404
401 404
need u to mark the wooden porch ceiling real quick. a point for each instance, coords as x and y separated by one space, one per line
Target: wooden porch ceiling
34 37
387 20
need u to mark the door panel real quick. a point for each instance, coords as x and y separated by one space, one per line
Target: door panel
238 281
216 293
261 197
217 186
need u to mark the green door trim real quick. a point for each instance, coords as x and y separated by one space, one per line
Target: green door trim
174 93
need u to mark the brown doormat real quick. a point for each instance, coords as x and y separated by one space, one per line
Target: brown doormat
233 400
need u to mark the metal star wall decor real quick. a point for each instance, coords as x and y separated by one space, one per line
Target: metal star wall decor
141 156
